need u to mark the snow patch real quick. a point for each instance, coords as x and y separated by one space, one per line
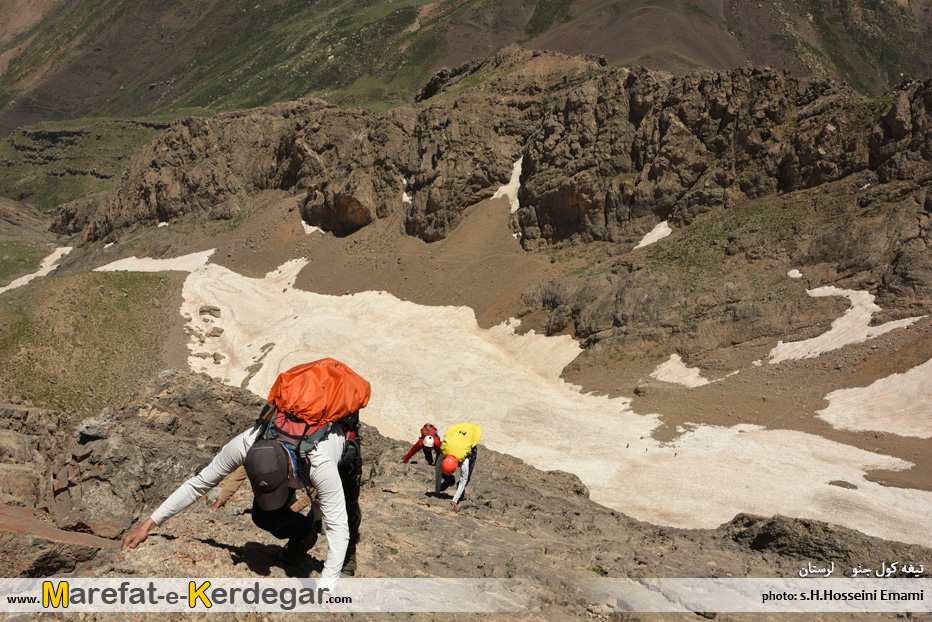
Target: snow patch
852 327
657 233
405 198
675 371
309 229
899 404
185 263
163 224
794 274
510 190
48 264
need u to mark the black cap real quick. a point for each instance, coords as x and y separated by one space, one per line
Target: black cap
267 468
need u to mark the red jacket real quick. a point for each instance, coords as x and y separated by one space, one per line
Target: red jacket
420 445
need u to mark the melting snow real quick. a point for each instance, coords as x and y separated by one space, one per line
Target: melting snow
309 229
852 327
675 371
48 264
899 404
185 263
436 364
163 224
657 233
405 197
794 274
511 189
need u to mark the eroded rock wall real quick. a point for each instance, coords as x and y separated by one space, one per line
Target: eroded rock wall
606 152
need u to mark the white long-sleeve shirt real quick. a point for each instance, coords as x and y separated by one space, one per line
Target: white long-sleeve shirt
324 474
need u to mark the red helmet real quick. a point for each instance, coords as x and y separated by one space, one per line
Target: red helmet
428 429
449 464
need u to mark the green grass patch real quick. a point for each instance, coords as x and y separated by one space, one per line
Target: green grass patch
689 7
53 163
18 259
762 224
83 341
787 42
230 56
871 43
547 13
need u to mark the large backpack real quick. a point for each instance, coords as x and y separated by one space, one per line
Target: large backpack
308 400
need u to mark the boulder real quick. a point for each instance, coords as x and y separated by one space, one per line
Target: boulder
33 548
815 540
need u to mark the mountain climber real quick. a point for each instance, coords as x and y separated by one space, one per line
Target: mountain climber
274 469
429 442
459 448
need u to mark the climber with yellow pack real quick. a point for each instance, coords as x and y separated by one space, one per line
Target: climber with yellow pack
459 448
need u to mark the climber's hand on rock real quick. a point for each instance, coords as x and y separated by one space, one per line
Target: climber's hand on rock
138 535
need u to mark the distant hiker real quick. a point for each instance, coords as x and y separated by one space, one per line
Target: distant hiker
306 435
429 442
459 448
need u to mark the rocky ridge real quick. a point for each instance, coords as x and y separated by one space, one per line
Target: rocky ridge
606 152
516 521
762 172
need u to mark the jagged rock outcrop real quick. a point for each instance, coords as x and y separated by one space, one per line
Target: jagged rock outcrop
31 439
726 283
124 460
193 168
803 538
606 152
348 165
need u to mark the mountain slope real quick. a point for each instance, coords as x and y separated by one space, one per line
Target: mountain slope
798 213
600 154
124 57
516 521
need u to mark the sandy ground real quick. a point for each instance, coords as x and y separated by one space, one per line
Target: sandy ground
424 323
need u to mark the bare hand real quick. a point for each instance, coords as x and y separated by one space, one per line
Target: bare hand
456 508
217 505
138 535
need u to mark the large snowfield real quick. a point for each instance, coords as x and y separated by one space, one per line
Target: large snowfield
435 364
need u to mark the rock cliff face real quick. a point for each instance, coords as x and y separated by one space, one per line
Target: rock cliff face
123 461
30 441
606 152
194 167
783 173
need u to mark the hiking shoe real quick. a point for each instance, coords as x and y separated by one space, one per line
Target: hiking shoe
296 550
349 565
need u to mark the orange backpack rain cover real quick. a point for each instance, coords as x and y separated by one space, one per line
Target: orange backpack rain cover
320 392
